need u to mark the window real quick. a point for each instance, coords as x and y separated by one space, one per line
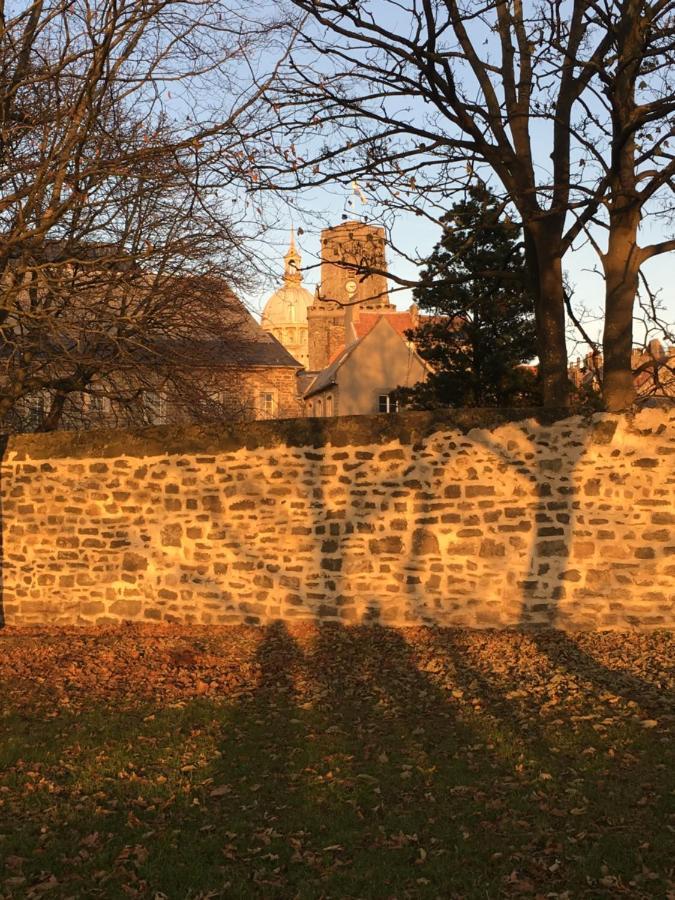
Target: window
37 406
96 404
318 409
329 405
387 404
154 403
267 404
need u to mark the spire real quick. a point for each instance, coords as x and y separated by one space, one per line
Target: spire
293 261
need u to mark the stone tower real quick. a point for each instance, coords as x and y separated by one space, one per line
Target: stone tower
285 313
347 250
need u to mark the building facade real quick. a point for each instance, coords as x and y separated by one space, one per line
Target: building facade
357 351
285 313
361 379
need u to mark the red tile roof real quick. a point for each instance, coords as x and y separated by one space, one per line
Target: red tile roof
399 321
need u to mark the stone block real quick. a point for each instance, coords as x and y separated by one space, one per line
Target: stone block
172 535
91 608
125 609
134 562
490 548
479 490
391 454
424 543
390 544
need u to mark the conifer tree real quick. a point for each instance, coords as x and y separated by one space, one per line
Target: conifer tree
477 329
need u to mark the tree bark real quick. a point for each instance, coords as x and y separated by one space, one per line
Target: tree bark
621 262
544 257
621 265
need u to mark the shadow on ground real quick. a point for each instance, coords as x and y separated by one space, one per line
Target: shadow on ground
335 762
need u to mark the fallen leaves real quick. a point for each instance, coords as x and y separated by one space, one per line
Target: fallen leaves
266 762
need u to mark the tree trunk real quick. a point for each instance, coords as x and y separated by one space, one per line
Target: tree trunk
621 265
544 258
621 262
53 417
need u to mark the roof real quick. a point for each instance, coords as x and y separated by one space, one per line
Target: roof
287 306
399 321
224 333
239 351
326 377
243 342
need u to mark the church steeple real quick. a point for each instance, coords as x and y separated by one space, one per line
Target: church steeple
293 261
285 313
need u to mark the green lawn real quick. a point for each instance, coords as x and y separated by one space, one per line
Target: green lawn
337 763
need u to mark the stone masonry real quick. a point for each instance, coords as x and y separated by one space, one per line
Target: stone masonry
474 518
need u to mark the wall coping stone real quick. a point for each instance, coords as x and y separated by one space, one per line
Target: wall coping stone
169 440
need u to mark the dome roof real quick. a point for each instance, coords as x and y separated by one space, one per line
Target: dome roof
288 305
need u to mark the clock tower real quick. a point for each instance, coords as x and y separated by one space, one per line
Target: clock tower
353 277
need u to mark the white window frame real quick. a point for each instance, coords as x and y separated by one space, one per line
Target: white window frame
390 405
155 403
268 403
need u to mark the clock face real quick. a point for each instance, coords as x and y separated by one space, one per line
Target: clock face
350 286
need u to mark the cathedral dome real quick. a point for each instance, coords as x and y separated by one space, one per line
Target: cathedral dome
285 313
287 306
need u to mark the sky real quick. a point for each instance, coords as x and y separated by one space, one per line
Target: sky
320 207
418 237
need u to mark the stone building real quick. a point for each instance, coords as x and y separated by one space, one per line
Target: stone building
285 313
345 288
236 372
356 351
249 374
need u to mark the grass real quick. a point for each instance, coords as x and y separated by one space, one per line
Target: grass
328 762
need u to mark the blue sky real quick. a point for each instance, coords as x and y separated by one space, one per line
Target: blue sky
315 208
418 236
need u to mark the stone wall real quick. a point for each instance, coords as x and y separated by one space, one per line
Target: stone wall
475 518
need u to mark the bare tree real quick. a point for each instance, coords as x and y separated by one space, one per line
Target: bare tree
633 126
124 133
426 95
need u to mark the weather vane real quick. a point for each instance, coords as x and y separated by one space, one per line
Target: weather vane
357 194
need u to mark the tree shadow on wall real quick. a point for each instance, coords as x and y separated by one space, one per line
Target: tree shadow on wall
4 438
568 518
347 524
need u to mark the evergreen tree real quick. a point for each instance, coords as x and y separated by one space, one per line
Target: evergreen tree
477 328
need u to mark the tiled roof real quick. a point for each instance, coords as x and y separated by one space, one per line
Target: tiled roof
237 340
399 321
